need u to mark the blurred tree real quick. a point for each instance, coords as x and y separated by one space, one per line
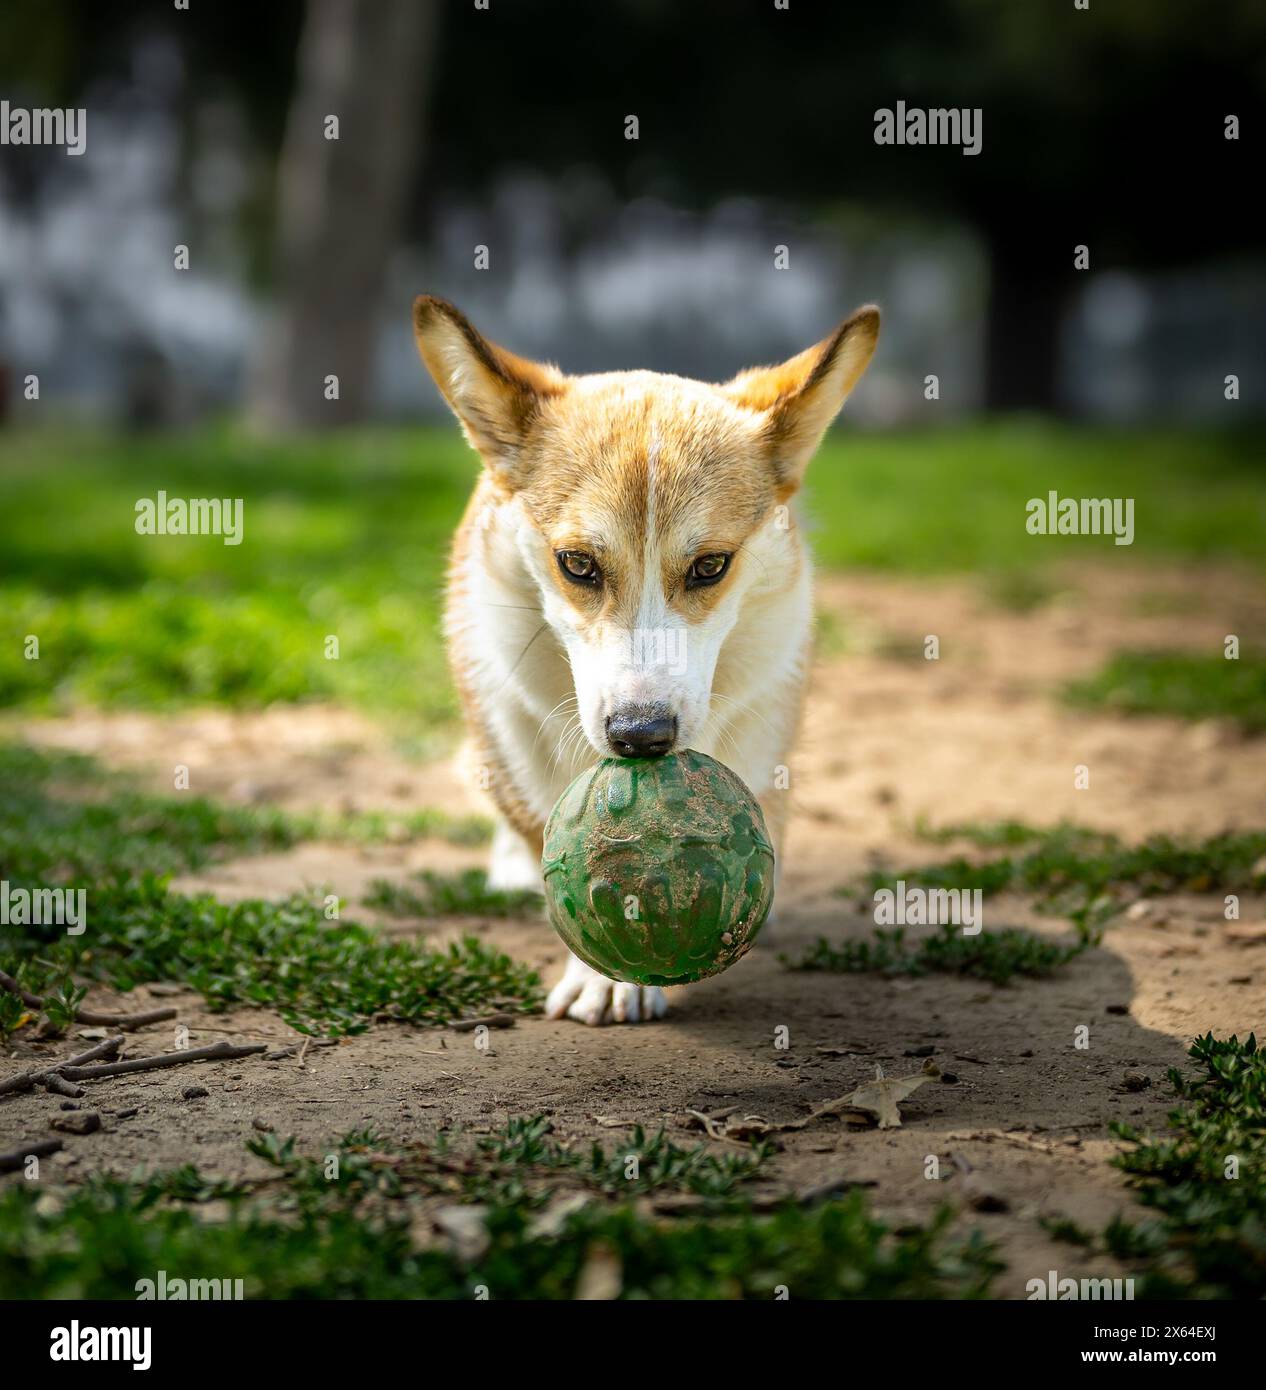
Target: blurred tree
341 190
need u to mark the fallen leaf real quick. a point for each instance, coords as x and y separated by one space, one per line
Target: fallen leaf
876 1100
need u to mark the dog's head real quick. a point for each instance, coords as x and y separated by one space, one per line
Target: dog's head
648 506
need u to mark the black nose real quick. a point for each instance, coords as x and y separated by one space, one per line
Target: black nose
641 733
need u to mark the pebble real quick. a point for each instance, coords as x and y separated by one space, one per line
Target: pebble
80 1122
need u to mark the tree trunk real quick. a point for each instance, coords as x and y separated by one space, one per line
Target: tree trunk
1027 295
368 63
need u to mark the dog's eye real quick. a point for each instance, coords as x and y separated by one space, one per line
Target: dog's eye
707 569
579 567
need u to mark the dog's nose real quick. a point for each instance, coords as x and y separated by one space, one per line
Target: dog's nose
641 733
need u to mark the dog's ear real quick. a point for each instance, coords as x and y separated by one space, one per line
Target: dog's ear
800 397
496 395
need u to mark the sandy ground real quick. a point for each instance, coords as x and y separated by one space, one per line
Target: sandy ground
889 737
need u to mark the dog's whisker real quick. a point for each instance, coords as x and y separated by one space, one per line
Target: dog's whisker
558 708
573 731
519 659
742 708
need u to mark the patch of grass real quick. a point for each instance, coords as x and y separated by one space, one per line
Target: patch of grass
1204 1183
320 975
343 538
1184 684
954 499
1062 1228
994 956
464 894
985 835
643 1165
365 1234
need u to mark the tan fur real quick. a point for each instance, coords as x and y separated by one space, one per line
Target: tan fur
644 473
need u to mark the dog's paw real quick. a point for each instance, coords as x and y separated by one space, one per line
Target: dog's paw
591 998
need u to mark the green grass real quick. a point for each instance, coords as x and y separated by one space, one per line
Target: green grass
343 535
1078 873
659 1164
1205 1236
320 974
996 956
347 535
298 1234
464 894
954 499
1178 683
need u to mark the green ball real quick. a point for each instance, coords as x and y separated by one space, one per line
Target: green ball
658 871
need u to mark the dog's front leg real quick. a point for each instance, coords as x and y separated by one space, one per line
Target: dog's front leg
514 863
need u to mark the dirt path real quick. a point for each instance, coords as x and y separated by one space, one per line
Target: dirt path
889 737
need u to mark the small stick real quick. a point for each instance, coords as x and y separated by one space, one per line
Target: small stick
36 1001
468 1025
24 1080
215 1052
16 1158
126 1020
109 1047
59 1086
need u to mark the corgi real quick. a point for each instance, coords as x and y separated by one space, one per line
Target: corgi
629 578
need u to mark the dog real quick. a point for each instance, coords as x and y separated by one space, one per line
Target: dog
629 578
